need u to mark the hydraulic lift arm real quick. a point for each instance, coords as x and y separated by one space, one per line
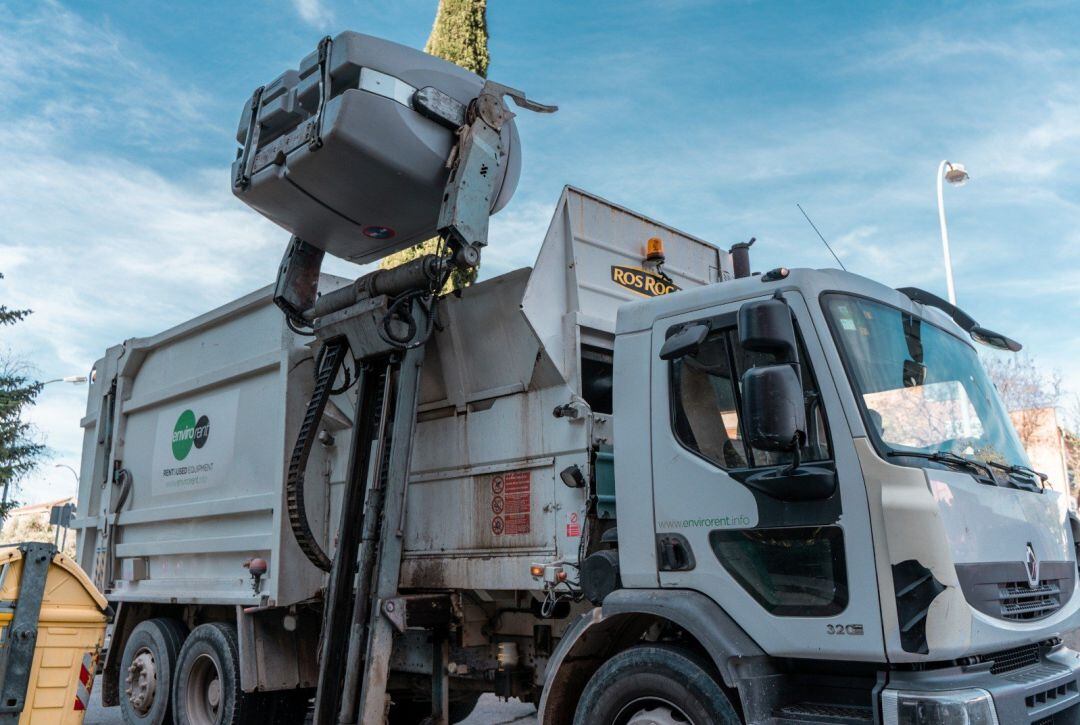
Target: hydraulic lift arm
384 319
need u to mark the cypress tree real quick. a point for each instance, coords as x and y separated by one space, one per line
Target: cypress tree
460 36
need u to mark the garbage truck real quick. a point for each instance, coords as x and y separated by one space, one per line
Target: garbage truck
636 482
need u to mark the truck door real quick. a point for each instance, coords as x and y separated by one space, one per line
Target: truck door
796 573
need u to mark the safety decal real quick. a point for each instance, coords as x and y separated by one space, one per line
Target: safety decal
573 524
511 503
86 682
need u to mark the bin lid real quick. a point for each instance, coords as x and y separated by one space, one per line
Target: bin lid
10 553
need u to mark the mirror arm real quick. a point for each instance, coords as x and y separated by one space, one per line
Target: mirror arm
796 457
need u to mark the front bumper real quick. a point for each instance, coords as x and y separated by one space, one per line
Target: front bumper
1038 686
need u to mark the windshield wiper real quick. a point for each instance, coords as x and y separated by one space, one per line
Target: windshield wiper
1041 478
949 457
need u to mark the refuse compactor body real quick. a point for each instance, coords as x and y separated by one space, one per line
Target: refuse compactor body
202 418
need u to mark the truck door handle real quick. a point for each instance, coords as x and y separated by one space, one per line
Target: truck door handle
674 553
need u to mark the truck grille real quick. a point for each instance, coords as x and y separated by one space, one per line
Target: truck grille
1039 699
1020 601
1008 660
821 712
1001 589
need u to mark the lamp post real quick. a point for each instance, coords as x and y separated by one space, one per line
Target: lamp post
956 175
74 379
73 472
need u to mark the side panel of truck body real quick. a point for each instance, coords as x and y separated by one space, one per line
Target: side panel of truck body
201 417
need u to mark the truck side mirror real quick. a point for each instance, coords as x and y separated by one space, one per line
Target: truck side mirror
773 409
994 339
765 326
685 341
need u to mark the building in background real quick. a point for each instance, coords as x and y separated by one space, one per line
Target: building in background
1046 443
31 523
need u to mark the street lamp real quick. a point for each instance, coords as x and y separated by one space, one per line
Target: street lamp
73 472
956 175
75 379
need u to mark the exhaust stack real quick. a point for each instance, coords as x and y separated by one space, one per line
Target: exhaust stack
740 258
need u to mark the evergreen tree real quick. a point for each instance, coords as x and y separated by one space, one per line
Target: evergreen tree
18 451
459 36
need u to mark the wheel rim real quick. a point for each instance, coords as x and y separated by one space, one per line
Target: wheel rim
203 692
652 711
141 681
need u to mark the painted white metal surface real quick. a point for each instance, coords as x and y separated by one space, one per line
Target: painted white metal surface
203 420
485 499
572 297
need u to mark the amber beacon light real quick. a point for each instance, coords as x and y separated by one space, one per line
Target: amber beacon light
654 249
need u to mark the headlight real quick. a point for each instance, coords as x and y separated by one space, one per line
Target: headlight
948 707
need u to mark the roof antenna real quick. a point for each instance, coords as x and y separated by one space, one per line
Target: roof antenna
821 237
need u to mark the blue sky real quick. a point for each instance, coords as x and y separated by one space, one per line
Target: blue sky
118 121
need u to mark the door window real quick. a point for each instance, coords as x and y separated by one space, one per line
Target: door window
705 400
705 404
793 572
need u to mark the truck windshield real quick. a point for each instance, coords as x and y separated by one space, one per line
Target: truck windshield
922 389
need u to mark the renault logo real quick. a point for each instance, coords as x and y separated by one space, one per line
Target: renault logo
1032 566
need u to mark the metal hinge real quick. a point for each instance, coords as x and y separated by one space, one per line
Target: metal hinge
251 142
314 132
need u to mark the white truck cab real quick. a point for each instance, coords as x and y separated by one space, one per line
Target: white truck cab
910 533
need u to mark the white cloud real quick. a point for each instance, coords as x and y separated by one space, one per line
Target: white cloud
515 235
101 81
105 247
933 47
314 12
100 247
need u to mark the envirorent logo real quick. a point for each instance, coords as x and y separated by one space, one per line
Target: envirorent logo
189 432
708 522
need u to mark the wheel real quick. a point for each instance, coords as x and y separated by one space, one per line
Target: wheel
654 685
206 690
146 671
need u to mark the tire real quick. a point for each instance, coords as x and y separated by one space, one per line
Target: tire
206 690
670 682
147 668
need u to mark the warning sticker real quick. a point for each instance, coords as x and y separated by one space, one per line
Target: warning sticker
511 502
573 523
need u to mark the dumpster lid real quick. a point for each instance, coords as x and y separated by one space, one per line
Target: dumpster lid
10 553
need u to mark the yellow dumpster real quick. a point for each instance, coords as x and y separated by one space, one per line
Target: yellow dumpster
52 625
